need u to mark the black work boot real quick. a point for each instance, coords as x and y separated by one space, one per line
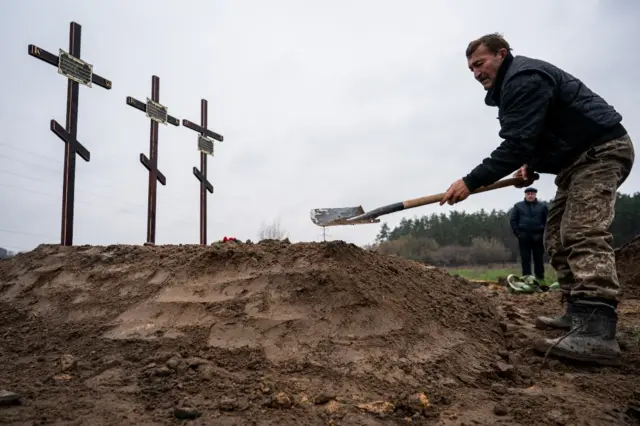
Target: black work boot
592 337
562 322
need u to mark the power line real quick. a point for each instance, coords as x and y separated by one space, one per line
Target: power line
106 186
28 152
35 191
9 231
79 190
48 169
5 172
20 160
88 203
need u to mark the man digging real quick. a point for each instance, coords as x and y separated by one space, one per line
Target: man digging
552 123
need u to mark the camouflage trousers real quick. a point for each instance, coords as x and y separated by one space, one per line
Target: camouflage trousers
577 236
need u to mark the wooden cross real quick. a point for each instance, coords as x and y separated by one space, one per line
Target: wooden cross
157 114
205 144
77 72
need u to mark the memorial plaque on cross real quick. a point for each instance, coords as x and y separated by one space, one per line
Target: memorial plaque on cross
205 146
77 72
157 113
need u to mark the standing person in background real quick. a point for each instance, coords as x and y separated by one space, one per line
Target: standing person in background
528 219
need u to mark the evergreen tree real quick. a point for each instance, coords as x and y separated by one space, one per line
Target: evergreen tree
481 237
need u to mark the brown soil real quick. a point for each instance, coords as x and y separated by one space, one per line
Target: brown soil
284 334
628 261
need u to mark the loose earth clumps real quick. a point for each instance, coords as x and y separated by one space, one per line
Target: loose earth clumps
628 261
308 333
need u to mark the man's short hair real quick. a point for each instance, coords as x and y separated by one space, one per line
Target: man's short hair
494 42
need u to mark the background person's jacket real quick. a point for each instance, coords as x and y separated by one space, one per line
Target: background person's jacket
528 218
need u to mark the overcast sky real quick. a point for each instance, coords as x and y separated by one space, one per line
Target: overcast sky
321 104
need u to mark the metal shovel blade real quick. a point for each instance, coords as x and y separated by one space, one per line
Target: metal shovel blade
335 216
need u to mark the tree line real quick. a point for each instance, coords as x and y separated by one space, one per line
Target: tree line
482 237
5 253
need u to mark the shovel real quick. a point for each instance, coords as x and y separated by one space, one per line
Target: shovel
357 215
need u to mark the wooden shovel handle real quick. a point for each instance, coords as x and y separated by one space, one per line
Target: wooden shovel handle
430 199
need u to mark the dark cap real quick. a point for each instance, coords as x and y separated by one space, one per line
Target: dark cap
530 189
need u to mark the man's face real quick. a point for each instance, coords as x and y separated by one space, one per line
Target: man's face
530 196
485 65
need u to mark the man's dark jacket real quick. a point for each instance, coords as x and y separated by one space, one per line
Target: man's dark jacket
529 218
547 118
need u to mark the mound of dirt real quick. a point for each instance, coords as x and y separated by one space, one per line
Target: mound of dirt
628 266
233 333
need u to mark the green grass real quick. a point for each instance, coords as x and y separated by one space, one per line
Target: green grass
493 272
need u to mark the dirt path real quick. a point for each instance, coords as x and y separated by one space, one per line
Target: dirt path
273 333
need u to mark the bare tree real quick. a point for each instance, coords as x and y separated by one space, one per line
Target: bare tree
272 231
